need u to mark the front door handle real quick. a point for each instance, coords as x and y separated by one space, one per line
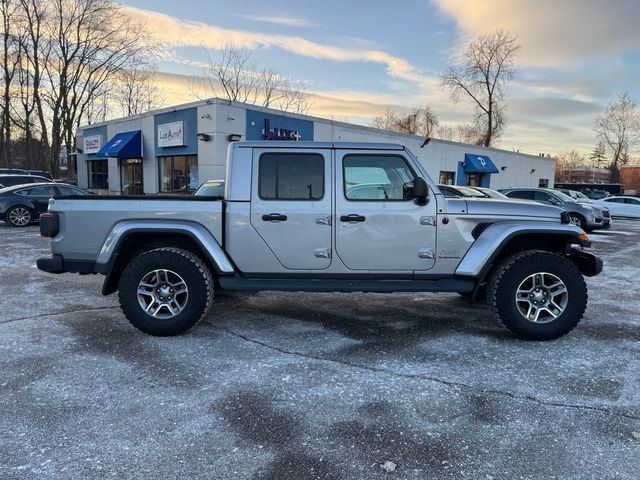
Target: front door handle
352 218
274 217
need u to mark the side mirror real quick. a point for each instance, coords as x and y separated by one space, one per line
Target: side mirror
421 191
555 201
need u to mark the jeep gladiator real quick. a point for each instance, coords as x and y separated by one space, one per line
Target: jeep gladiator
324 217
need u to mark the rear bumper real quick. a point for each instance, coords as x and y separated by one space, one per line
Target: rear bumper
588 264
57 264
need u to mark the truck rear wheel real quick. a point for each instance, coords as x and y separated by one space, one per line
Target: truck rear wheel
538 295
165 291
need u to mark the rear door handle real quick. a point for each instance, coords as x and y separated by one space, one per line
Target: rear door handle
274 217
352 218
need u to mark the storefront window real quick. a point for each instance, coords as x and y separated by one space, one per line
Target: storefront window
179 174
98 174
447 178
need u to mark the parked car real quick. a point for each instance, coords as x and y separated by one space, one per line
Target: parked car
621 206
587 217
211 188
595 194
41 173
491 193
288 222
575 194
453 191
9 180
21 171
22 204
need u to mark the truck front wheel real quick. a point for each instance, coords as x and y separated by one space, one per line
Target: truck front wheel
538 295
165 291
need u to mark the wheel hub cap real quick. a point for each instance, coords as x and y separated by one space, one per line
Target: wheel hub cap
162 293
542 297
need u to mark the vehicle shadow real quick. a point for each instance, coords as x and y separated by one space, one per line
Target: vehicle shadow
372 322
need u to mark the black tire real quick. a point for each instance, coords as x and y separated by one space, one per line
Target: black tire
579 220
191 270
25 213
509 275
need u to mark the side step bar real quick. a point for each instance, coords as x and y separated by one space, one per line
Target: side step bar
345 285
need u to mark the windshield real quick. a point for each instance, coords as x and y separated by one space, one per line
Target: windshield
470 192
211 189
493 193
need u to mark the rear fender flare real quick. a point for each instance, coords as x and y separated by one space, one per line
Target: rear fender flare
121 231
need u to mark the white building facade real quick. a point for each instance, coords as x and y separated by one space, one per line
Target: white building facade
173 150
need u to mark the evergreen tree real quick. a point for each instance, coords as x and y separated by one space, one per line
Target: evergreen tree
598 154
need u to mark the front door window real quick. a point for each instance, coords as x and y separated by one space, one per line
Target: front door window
379 225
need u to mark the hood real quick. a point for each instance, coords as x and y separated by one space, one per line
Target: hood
516 208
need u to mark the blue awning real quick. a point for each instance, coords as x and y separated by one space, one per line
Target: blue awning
123 145
478 164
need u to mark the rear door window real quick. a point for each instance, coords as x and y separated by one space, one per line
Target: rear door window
291 176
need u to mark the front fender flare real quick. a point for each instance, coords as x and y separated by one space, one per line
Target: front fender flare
492 240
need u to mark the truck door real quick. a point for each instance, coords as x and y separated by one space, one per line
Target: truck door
291 205
379 225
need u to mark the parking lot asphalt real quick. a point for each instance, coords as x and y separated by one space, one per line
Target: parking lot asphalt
305 386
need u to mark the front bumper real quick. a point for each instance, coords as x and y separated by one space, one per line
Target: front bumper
599 223
588 264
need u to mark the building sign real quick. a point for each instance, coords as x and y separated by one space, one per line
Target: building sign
275 133
92 144
264 125
171 134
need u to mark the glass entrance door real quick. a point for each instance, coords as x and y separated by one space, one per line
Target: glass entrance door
131 176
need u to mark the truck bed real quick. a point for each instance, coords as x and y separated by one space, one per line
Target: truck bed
101 213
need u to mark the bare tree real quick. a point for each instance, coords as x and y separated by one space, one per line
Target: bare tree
619 128
419 121
235 77
74 49
135 90
445 132
566 165
12 39
293 97
481 75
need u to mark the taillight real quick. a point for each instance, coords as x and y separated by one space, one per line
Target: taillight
49 224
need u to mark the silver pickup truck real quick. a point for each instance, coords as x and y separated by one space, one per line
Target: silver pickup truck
324 217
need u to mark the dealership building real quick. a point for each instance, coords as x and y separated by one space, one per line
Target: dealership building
175 149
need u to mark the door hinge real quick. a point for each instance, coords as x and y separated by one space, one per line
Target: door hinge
322 253
426 253
428 221
324 221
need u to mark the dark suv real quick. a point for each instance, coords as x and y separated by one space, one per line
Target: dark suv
10 180
586 216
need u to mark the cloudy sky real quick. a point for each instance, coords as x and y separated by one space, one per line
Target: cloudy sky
360 57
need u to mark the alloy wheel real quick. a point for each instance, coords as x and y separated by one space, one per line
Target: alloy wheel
162 293
542 297
20 216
